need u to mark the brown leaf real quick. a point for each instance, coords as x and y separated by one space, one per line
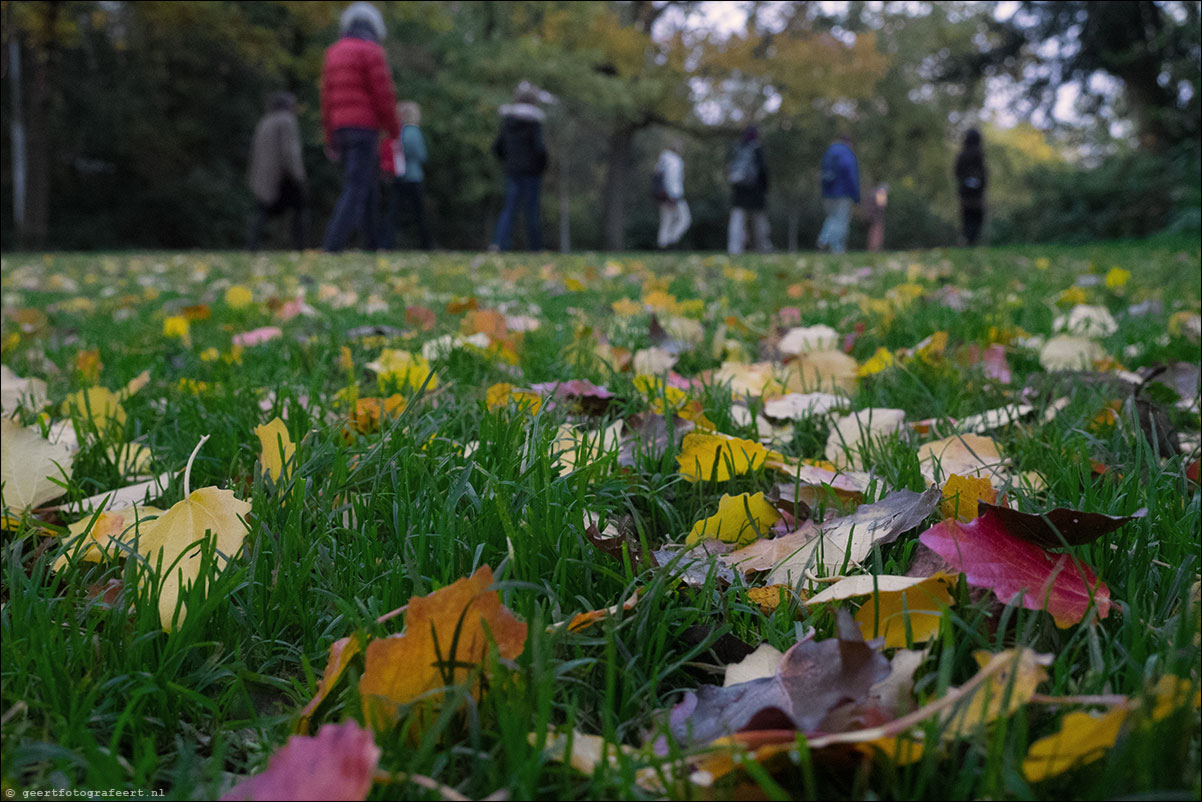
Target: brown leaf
1059 527
812 679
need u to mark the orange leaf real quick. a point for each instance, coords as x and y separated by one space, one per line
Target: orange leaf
446 640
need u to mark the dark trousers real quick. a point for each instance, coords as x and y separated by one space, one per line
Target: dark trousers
973 218
521 191
405 201
358 205
291 197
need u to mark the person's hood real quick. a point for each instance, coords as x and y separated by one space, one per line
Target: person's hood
523 111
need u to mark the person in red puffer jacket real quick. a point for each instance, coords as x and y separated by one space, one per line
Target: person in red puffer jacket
357 102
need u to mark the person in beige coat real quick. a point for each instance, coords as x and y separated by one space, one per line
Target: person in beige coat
276 173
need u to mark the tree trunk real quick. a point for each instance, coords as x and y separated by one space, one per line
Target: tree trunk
621 144
43 64
17 130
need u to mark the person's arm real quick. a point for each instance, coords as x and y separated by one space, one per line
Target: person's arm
383 93
854 173
415 144
294 163
763 168
498 146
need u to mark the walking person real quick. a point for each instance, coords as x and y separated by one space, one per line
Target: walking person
748 176
276 171
520 148
403 161
357 102
971 177
840 191
668 189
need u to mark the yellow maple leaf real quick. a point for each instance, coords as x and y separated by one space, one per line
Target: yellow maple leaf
718 457
879 362
961 495
1013 676
278 448
173 543
106 533
740 520
1082 738
919 608
99 405
445 643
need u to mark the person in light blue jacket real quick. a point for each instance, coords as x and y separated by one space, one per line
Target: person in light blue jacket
840 190
405 161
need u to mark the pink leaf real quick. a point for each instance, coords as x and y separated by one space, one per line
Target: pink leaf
992 557
994 365
336 764
257 336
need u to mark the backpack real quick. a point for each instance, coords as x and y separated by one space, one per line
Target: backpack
743 168
659 186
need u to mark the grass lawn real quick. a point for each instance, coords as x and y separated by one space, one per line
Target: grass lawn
449 470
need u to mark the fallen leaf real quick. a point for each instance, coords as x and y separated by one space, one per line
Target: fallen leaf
962 454
172 543
1060 527
823 371
339 763
1065 352
1082 738
898 604
1014 675
16 392
277 449
763 662
341 652
106 533
29 467
718 457
740 519
121 497
99 406
854 434
582 621
995 418
812 679
990 556
445 643
575 447
770 597
799 406
806 339
961 495
844 540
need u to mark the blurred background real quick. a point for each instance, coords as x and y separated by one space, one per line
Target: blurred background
128 125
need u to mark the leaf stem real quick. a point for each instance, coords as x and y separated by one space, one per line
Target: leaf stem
188 469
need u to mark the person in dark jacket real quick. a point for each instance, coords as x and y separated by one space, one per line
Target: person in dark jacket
840 190
276 172
357 102
748 176
520 148
971 177
402 163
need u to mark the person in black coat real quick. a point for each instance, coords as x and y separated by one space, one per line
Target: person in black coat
748 176
520 147
971 177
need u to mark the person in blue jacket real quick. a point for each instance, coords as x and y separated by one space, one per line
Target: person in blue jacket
840 190
403 162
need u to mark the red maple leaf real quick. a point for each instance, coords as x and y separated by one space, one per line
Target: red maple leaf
990 556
